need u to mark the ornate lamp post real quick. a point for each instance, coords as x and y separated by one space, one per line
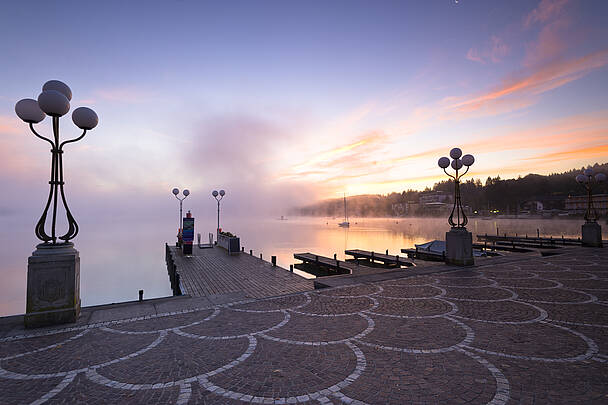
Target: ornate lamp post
221 195
186 193
459 242
591 230
53 281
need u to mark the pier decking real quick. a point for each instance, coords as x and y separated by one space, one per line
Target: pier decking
213 271
339 266
386 259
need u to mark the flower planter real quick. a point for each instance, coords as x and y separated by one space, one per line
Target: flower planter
231 243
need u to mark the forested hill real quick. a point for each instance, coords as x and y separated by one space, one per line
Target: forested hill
494 193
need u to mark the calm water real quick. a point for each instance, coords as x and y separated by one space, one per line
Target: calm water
118 259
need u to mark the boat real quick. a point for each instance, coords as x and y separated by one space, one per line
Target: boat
345 223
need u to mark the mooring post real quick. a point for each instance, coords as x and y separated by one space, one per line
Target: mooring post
274 261
261 257
387 252
291 268
537 233
335 256
250 252
141 295
177 290
242 248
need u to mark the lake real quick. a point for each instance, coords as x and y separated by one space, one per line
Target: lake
118 258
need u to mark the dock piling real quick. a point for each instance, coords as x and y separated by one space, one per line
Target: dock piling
335 256
387 251
291 268
261 257
242 248
250 252
141 295
273 259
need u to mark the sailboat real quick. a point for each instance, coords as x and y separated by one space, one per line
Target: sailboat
345 223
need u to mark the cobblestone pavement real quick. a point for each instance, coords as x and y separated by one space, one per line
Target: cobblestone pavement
533 330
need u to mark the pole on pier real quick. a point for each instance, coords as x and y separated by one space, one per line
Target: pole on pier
274 261
291 268
387 252
335 256
250 252
141 295
242 248
537 233
261 257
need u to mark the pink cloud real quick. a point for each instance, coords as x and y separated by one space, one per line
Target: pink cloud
493 51
521 90
546 10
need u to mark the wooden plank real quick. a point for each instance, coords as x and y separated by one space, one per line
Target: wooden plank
213 271
382 257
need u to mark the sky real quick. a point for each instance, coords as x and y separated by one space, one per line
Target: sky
283 103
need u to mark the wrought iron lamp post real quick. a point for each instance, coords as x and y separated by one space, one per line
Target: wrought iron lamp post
186 193
591 230
218 197
53 280
459 242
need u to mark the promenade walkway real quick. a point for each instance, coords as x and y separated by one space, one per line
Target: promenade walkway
525 329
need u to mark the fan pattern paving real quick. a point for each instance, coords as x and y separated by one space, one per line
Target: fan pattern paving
531 330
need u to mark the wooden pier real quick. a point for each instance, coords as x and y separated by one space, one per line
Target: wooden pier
541 242
424 255
212 272
372 257
334 266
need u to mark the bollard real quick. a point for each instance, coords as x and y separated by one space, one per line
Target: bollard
261 257
141 295
177 289
273 259
250 252
242 248
291 268
335 256
537 233
387 252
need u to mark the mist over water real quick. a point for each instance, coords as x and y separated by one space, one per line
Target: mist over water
119 257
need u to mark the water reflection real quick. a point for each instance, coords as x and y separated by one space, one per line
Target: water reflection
118 259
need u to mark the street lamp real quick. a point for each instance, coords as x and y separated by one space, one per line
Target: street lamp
458 241
53 269
221 195
54 101
186 193
457 164
591 230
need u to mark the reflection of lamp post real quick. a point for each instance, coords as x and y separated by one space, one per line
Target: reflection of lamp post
459 242
221 195
591 230
186 193
53 271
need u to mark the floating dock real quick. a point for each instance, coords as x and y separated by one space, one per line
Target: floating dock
372 257
213 272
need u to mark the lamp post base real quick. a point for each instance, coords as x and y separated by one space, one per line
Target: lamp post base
53 285
459 247
592 234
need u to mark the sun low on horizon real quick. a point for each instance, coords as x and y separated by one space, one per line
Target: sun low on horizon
289 102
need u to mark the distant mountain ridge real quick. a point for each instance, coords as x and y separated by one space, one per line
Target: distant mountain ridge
496 194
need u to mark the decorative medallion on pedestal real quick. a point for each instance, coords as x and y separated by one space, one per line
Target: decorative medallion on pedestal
53 275
458 241
591 231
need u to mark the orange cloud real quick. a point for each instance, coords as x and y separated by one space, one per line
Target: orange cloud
545 79
581 153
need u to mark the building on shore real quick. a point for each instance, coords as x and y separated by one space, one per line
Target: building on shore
577 204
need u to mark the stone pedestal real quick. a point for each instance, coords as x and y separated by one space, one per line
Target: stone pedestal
592 234
53 285
459 247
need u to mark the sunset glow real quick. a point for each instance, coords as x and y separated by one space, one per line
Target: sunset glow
294 102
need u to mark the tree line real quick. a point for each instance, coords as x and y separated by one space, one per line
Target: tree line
507 196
